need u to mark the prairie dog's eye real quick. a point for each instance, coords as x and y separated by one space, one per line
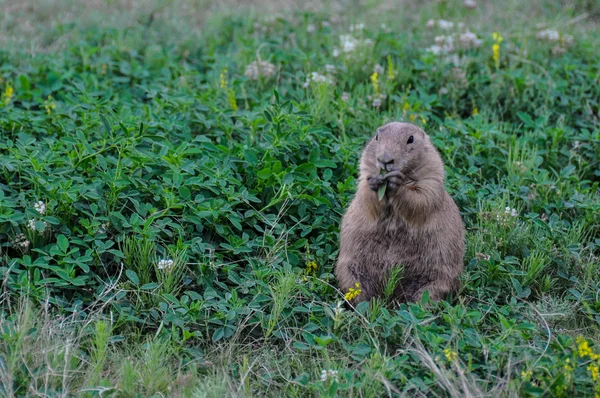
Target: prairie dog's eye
377 136
411 139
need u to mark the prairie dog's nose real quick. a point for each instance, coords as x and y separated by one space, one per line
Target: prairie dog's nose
386 159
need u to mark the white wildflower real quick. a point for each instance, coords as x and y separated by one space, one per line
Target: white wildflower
21 241
470 40
443 91
378 69
470 4
336 52
40 207
548 35
357 27
311 28
376 102
558 50
102 228
349 43
345 96
445 25
31 225
576 145
316 77
329 374
430 24
330 68
257 69
512 212
165 264
434 49
325 24
443 45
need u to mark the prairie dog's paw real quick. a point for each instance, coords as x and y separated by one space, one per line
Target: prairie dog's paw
395 179
375 182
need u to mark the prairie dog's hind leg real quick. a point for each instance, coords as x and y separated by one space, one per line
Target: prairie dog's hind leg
438 290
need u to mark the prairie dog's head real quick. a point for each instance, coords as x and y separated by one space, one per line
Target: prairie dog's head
399 146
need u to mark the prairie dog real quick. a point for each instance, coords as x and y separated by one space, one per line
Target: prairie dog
416 223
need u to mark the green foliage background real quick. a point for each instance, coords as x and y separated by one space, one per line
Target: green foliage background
146 141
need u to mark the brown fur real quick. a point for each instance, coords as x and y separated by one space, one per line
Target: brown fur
416 224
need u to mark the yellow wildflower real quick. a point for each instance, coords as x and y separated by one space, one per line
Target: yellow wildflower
231 99
594 370
390 67
223 78
375 81
49 104
104 68
423 120
406 106
583 347
568 367
8 94
475 111
353 292
311 267
450 355
496 48
412 118
526 374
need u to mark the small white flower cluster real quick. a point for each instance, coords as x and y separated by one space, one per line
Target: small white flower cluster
31 225
21 242
552 36
357 27
448 43
442 24
40 207
508 212
257 69
378 69
165 264
329 374
349 43
443 45
377 99
330 68
316 77
470 4
102 228
311 28
470 40
345 96
576 145
548 35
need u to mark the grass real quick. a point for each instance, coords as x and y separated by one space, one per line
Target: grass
190 210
